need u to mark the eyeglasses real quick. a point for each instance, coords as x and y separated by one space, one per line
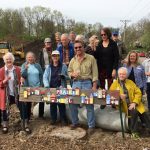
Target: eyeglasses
103 34
78 47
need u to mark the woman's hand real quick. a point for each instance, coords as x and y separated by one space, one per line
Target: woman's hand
132 106
113 73
6 79
123 96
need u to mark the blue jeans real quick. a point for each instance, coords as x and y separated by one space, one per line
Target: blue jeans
89 107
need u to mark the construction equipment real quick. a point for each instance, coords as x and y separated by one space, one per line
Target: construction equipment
5 47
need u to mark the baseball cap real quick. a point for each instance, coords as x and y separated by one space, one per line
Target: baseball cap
115 33
55 52
47 40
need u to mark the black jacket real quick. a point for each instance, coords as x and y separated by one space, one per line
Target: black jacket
108 59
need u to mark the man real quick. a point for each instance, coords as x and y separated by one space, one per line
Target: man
44 61
120 44
130 95
66 49
83 70
72 37
146 64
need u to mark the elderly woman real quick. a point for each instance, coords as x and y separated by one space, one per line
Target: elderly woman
130 95
32 74
9 87
55 76
93 43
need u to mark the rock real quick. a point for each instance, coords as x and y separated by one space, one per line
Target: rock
67 133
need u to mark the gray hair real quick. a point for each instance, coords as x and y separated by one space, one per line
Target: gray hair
123 69
65 35
80 37
8 55
30 53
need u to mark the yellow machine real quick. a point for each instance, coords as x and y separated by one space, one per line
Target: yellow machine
6 47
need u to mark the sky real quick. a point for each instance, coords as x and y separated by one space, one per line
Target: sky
107 12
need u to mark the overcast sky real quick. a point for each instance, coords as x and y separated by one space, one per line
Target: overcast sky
108 12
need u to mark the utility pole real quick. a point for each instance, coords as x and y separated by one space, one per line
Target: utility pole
125 26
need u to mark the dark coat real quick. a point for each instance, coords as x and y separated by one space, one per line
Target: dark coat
111 58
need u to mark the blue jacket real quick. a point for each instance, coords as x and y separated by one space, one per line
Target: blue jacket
24 73
71 51
47 76
139 75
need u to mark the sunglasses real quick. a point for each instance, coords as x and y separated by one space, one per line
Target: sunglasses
103 34
78 47
55 55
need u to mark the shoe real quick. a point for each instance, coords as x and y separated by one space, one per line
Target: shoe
90 131
27 130
64 123
135 135
5 130
53 122
74 126
102 106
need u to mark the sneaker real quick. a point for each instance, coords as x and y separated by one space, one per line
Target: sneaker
135 135
74 126
90 131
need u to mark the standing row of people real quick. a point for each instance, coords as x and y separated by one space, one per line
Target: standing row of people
71 58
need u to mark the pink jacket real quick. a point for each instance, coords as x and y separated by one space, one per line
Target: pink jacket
3 86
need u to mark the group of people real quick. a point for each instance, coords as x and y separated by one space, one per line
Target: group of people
86 67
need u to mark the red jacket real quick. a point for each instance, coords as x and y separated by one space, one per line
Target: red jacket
3 86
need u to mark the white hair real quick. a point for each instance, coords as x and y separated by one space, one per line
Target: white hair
30 53
65 35
123 69
80 37
8 55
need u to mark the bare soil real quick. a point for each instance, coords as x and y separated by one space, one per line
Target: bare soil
42 138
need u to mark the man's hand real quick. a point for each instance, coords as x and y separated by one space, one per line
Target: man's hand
74 74
132 106
123 96
114 73
6 79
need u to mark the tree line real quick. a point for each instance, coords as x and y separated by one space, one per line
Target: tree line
39 22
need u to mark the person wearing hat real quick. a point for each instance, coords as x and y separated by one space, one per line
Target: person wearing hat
55 76
121 46
44 61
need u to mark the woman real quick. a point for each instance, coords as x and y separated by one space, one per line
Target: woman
130 95
32 74
136 72
107 56
9 87
55 76
93 43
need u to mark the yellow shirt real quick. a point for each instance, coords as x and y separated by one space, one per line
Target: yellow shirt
87 69
134 92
